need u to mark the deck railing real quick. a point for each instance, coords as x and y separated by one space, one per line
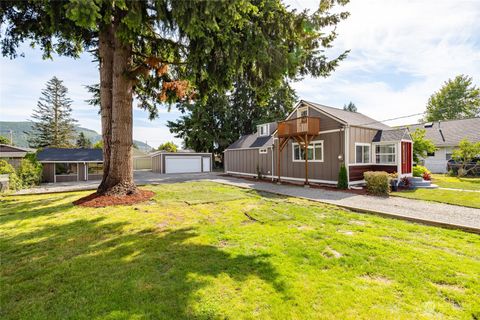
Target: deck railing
299 126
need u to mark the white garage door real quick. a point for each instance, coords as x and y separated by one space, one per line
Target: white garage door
183 164
206 164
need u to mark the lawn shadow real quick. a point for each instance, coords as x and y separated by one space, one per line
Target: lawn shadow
13 209
93 269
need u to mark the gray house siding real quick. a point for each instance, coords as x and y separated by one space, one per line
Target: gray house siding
247 160
324 171
359 135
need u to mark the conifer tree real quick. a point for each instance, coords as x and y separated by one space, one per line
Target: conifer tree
53 125
83 142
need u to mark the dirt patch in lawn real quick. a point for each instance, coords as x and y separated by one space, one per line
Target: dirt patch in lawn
95 200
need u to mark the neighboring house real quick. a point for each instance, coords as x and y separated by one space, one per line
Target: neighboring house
330 137
66 165
13 154
181 162
446 135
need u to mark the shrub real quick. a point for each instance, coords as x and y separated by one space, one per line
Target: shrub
427 176
342 178
14 182
418 171
377 182
29 171
406 182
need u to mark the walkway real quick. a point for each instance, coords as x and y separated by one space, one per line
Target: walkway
408 209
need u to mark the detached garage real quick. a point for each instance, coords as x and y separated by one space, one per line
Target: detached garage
181 162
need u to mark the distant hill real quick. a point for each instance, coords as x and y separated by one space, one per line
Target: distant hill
20 137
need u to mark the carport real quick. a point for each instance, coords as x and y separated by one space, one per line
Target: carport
181 162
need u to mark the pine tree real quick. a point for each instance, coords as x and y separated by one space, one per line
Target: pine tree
350 107
83 142
53 125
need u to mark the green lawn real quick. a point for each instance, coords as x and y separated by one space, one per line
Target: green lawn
459 198
207 251
456 182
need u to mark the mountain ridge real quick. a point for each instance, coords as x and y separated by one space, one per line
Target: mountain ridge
20 137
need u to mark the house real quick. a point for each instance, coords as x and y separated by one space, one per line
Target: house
446 135
330 137
13 154
67 165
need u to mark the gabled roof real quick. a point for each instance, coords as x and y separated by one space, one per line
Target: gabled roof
392 135
252 141
60 154
348 117
450 132
9 151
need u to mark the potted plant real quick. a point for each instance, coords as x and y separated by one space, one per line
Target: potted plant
393 179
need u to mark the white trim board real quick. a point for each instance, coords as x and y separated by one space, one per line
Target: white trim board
283 177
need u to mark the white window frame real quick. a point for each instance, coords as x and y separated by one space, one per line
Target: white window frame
369 153
310 146
395 153
300 110
266 128
263 150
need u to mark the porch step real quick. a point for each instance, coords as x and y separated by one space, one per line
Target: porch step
419 183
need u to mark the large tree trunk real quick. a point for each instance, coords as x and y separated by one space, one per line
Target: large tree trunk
119 180
118 141
106 48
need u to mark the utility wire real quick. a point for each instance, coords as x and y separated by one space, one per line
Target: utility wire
402 117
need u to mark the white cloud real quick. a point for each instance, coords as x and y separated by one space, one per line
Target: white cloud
401 52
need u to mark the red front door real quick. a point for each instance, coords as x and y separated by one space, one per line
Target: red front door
406 157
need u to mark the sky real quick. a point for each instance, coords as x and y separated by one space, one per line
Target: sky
400 53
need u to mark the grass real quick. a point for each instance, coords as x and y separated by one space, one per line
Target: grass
206 251
466 183
459 198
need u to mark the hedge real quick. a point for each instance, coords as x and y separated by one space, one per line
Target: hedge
377 182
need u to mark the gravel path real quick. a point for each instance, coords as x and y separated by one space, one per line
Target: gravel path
416 210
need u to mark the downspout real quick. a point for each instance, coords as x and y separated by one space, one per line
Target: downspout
271 148
85 171
346 146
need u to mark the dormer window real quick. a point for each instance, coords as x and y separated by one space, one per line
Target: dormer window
263 130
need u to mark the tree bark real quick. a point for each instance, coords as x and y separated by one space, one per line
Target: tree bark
117 115
106 48
119 180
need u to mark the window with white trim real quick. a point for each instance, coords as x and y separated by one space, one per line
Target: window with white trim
263 130
302 112
66 169
314 151
385 153
262 150
362 153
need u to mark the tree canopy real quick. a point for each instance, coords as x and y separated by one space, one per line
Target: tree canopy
421 145
350 107
165 51
212 124
83 141
168 146
4 140
457 99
